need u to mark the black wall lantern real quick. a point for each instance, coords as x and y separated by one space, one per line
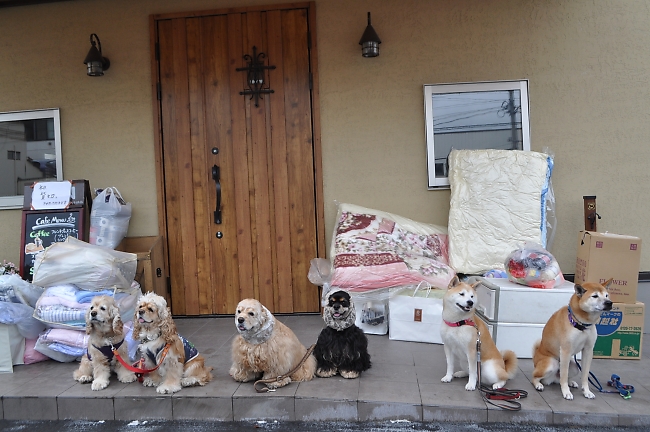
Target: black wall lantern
369 41
255 75
94 60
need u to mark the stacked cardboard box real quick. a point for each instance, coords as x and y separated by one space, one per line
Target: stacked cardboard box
602 256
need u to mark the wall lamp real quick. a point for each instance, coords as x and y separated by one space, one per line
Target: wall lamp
94 60
369 41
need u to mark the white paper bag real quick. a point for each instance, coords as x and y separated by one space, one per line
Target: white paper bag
12 348
416 315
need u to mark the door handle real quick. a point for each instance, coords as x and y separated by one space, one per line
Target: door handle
217 181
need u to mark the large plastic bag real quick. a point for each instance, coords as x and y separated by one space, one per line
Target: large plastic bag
15 290
20 315
89 267
533 266
109 218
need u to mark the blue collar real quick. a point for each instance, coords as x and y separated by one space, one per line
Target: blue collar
575 323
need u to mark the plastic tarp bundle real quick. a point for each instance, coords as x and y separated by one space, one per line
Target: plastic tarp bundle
89 267
372 249
20 315
15 290
64 306
498 202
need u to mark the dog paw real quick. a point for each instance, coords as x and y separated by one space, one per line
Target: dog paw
127 378
99 385
189 381
498 385
148 382
573 384
588 394
84 379
446 378
167 389
349 374
325 373
471 386
539 387
461 374
567 395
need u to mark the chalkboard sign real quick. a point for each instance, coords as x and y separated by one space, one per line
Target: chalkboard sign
42 228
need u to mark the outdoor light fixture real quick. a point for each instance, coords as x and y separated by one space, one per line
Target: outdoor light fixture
94 60
369 41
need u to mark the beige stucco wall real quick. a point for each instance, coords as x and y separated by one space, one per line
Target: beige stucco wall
587 62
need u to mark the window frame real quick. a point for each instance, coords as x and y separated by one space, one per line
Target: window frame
16 201
436 183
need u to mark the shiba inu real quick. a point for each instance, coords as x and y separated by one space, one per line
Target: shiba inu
569 331
459 335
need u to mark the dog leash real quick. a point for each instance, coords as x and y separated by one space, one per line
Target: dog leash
625 390
509 397
281 377
138 367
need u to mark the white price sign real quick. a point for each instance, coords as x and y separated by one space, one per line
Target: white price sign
51 195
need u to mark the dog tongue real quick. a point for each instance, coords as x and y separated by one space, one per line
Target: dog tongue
141 320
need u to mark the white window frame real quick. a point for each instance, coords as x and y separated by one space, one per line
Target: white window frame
16 201
433 89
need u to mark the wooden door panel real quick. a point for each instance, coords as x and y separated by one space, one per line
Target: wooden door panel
265 156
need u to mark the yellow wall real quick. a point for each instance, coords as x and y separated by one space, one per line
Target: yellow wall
587 62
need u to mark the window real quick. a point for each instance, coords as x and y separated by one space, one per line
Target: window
32 142
485 115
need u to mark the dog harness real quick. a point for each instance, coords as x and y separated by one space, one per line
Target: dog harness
190 351
107 350
461 323
575 323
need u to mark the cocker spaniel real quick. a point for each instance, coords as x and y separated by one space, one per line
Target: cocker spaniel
342 347
106 331
178 363
265 348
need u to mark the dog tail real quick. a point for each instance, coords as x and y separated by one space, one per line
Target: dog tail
536 346
511 362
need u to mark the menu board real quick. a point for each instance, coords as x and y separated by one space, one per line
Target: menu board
43 228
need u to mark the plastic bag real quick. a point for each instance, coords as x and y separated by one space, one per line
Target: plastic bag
16 290
89 267
109 218
320 270
533 266
20 315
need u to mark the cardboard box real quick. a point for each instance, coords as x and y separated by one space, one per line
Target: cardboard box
620 332
603 255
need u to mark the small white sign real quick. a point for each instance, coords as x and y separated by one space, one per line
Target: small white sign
51 195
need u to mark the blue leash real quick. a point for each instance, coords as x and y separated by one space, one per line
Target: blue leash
625 390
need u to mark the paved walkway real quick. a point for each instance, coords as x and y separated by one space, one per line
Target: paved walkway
403 384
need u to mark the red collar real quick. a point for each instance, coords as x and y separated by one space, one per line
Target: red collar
460 323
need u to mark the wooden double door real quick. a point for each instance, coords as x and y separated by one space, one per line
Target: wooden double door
240 174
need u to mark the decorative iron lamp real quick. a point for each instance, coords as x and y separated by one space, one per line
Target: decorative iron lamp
369 41
96 63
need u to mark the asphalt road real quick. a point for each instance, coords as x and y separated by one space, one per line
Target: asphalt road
273 426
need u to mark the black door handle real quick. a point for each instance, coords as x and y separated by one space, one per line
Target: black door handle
217 181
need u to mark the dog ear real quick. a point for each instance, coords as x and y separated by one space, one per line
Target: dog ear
136 324
118 325
167 326
89 328
579 290
452 283
607 283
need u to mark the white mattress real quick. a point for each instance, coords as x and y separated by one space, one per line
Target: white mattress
497 204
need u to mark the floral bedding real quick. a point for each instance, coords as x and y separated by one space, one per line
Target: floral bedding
373 249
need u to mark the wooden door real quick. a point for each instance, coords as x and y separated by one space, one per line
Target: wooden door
261 162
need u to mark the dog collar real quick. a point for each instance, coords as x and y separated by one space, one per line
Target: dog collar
106 350
460 323
575 323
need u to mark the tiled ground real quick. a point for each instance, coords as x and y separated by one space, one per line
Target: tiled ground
404 383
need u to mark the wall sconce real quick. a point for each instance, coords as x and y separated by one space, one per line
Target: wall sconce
94 60
369 41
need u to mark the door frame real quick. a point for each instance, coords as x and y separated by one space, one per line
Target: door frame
315 103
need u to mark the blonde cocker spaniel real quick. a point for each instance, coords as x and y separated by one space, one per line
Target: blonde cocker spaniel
178 362
265 348
106 331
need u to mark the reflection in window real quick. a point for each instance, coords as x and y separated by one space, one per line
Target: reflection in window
473 116
31 142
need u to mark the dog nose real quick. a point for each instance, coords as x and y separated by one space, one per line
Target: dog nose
336 306
470 303
240 320
140 312
608 305
93 313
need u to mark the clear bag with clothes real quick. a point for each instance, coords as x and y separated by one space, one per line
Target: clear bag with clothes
109 218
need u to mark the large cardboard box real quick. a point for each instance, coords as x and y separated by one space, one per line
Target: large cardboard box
603 255
620 332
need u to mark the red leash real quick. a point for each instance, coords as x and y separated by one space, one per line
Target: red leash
138 367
